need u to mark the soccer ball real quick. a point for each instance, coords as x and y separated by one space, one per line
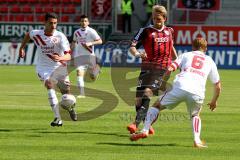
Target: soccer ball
68 101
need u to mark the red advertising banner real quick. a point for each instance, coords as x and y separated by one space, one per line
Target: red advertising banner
203 5
215 35
101 10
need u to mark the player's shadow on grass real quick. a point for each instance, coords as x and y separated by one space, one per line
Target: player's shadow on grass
87 132
109 103
21 129
137 144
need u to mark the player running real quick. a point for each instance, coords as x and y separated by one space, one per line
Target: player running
53 53
157 40
189 86
82 45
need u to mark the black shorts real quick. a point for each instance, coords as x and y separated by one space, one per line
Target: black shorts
149 79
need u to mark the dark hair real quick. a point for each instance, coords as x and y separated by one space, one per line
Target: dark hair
83 16
50 15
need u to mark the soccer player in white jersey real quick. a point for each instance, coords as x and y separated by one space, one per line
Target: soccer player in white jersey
188 86
53 53
82 46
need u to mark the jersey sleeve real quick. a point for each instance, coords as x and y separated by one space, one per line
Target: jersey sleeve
95 35
65 44
139 35
172 33
214 75
177 63
32 33
137 38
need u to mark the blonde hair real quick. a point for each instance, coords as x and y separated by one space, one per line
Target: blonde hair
159 10
199 44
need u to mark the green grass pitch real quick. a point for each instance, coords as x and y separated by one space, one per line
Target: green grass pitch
25 133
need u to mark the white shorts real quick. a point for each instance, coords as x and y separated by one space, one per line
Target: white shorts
87 63
59 74
172 98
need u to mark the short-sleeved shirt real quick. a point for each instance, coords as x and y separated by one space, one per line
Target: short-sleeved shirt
47 46
81 37
196 68
157 44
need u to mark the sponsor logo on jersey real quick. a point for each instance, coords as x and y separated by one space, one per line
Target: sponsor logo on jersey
161 39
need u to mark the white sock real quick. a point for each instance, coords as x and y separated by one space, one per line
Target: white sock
80 84
196 127
151 116
52 98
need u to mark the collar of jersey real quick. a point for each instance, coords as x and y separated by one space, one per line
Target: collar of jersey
84 29
159 30
199 52
48 34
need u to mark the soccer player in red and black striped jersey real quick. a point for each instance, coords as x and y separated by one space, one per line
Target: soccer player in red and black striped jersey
157 40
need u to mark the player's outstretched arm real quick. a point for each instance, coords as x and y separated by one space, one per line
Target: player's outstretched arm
135 52
217 90
96 42
57 58
73 45
25 40
174 53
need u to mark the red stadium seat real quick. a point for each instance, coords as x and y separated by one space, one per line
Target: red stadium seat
11 18
29 18
22 1
44 1
11 1
32 1
56 1
40 18
58 8
26 8
49 8
19 18
66 1
69 9
76 1
65 18
39 9
15 8
4 8
5 18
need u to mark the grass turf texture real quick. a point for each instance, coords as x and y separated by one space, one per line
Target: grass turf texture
25 132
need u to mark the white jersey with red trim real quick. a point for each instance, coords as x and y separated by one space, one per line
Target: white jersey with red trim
81 37
47 46
195 68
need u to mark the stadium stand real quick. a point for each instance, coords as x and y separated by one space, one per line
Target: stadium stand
33 10
194 17
229 14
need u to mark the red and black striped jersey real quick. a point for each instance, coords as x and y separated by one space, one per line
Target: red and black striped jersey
157 44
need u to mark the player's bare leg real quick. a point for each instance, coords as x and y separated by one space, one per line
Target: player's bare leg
94 68
53 101
64 87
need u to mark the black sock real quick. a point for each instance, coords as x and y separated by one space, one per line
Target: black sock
142 111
